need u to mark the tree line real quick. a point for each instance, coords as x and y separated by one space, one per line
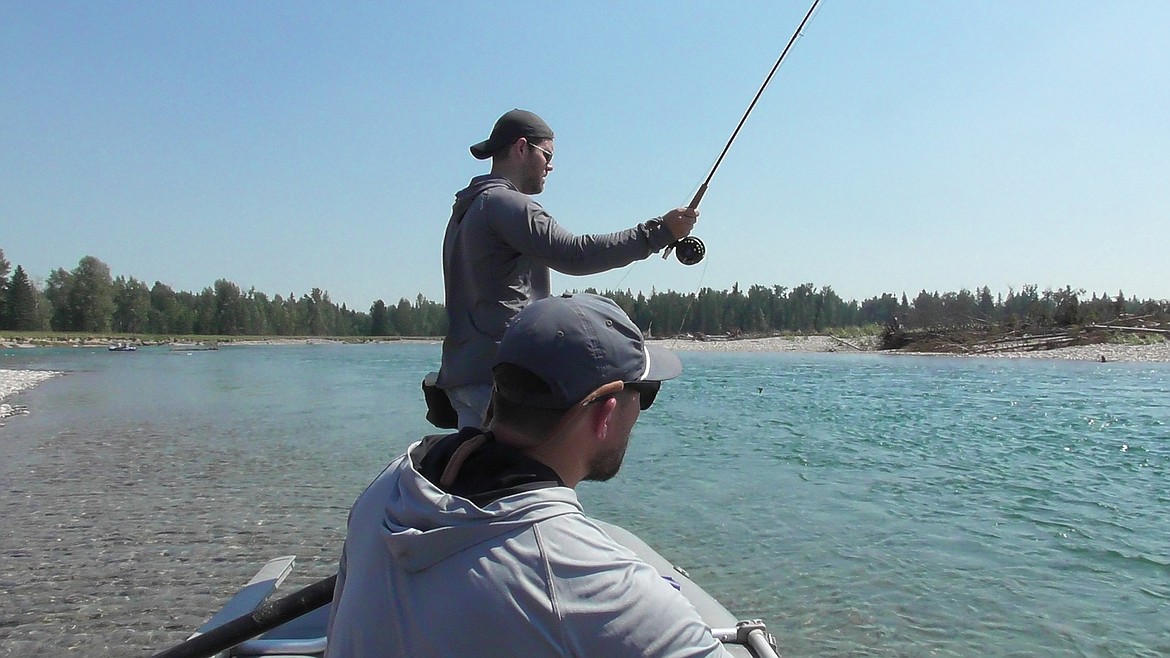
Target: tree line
88 299
809 309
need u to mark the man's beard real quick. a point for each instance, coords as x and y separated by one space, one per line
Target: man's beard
607 464
534 186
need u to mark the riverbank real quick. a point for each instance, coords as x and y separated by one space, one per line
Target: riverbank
11 342
1145 353
1158 352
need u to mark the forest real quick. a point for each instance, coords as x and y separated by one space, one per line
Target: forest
88 299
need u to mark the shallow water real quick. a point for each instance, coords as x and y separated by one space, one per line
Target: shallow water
859 504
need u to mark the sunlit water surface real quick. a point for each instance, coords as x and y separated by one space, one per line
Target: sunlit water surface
859 504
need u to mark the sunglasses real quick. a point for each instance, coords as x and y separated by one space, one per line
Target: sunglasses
548 155
647 391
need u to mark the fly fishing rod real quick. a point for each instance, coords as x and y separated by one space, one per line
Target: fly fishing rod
690 249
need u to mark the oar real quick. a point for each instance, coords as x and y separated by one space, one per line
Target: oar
264 618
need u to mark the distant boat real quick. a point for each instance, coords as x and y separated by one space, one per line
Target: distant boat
123 347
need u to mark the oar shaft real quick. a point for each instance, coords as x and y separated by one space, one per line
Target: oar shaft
263 619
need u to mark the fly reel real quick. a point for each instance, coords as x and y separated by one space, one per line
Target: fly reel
689 250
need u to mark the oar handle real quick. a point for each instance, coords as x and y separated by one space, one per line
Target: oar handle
264 618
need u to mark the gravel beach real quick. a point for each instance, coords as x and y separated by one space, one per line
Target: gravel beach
121 543
1154 352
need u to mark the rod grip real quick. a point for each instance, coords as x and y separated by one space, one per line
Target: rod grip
694 204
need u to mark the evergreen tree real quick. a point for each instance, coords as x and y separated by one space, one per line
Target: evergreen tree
379 319
403 318
880 310
57 291
1119 305
1068 310
927 310
315 312
4 267
986 304
21 303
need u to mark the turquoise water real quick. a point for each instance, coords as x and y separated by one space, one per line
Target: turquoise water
859 504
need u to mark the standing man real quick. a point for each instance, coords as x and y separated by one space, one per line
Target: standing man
475 544
500 245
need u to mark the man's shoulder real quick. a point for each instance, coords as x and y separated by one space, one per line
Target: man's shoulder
576 535
504 197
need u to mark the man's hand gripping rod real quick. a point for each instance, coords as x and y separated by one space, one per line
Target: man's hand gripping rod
690 250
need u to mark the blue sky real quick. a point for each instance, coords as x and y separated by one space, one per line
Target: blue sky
905 145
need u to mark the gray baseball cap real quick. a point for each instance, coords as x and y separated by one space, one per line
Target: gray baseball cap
578 344
510 127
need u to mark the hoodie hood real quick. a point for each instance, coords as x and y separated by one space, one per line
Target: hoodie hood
423 524
477 186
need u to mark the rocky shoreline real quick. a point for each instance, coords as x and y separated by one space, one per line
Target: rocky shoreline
1151 353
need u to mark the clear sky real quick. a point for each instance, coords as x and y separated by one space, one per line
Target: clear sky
909 145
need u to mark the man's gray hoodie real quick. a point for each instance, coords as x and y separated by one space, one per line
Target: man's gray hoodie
426 573
497 252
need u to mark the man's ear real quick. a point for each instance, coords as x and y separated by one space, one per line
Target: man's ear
599 419
516 150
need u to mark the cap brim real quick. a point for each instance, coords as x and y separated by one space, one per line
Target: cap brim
662 364
481 150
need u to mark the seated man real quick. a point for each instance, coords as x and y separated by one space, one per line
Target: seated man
474 544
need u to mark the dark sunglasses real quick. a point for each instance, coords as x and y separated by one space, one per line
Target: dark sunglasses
647 391
548 155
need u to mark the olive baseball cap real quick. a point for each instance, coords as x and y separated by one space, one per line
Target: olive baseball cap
578 344
509 128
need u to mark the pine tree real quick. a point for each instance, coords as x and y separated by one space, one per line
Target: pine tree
5 320
22 313
379 319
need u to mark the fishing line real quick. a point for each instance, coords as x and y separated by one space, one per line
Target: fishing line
694 298
690 249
